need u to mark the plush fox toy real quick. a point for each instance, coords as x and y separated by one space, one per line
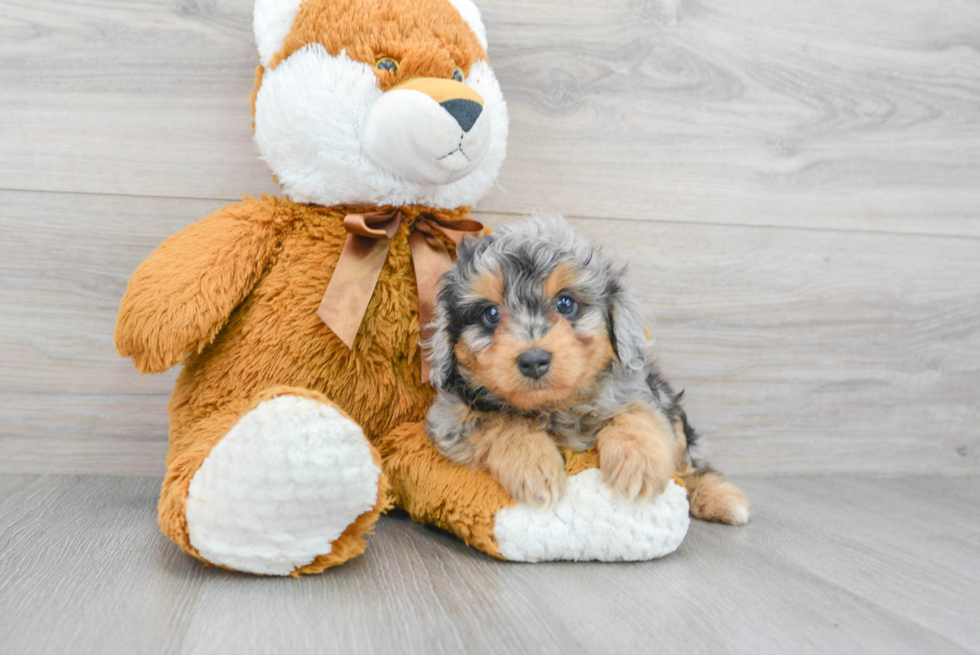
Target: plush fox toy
297 417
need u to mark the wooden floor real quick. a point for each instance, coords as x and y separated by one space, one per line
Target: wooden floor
827 565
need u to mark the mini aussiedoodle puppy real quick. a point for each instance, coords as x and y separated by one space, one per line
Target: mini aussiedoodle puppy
540 346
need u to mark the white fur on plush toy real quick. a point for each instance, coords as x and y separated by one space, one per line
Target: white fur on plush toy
591 523
271 21
332 137
413 137
281 487
471 15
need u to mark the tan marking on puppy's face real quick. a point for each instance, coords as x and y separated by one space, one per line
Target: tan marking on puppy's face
578 357
488 286
427 38
564 276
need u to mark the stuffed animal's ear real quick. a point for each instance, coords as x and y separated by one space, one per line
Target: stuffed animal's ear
272 21
627 331
471 15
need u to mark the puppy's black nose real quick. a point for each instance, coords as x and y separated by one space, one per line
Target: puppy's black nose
534 363
464 111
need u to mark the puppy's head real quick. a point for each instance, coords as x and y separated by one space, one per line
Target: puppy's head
530 316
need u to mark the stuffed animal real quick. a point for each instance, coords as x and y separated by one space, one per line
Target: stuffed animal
297 417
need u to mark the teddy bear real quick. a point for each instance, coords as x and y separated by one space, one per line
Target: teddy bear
297 418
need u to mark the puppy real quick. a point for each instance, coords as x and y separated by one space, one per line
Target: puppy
538 346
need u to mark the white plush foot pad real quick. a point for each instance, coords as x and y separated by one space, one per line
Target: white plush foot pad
591 523
280 487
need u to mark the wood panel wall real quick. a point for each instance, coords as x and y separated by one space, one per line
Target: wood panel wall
795 184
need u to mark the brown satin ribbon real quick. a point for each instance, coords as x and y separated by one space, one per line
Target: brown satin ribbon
359 267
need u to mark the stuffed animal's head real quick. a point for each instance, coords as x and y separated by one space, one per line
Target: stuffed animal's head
387 102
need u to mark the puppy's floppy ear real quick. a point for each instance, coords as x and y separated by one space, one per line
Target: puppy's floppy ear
440 350
445 331
470 247
624 321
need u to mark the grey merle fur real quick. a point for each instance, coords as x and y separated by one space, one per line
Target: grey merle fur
526 253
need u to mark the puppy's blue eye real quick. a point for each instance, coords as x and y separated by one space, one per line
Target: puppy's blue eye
491 316
566 306
458 74
387 64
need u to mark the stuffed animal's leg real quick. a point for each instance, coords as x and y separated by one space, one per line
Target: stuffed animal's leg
283 483
589 522
433 490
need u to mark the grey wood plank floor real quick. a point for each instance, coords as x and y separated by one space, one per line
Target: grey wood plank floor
827 565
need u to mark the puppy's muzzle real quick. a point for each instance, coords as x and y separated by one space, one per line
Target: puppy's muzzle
534 363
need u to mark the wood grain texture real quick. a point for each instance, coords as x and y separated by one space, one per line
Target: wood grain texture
815 351
850 115
87 570
802 351
68 401
828 565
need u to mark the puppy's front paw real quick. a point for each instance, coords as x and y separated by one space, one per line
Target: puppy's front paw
538 479
635 465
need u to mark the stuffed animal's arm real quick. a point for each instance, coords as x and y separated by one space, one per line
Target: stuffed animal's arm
181 296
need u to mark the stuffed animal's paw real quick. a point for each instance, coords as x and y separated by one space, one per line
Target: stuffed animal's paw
278 491
591 522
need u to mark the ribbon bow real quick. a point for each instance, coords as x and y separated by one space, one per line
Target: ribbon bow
359 267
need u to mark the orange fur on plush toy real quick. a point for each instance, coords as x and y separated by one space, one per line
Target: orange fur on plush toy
245 284
275 423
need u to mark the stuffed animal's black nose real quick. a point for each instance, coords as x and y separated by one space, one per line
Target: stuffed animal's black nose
464 111
534 363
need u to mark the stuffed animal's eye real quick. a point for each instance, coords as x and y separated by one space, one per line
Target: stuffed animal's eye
491 316
458 74
387 64
566 305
